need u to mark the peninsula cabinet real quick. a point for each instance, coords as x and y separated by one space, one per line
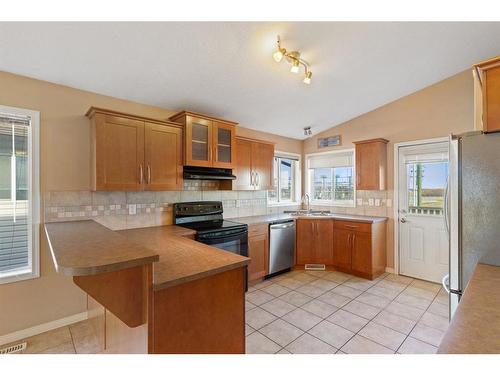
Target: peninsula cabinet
208 141
487 95
134 153
371 164
258 251
314 241
254 164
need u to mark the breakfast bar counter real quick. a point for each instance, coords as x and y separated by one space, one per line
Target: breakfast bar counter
154 290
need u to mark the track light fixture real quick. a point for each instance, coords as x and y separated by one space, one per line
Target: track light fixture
293 57
307 131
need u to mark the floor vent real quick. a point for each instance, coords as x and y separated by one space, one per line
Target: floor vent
315 267
13 349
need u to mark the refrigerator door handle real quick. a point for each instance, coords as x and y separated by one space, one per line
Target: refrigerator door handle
446 283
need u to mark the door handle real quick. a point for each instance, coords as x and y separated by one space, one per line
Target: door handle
403 220
445 282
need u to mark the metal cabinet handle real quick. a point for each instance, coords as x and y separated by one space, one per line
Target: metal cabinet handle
257 179
252 183
141 174
149 174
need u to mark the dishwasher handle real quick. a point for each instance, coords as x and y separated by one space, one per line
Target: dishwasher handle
282 226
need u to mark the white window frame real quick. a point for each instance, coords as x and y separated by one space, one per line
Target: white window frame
297 181
34 196
331 202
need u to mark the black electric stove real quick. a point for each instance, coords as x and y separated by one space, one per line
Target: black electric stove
207 220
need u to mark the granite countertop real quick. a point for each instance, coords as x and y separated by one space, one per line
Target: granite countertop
182 259
82 248
475 327
276 217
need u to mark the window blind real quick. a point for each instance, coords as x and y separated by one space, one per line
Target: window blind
341 159
14 184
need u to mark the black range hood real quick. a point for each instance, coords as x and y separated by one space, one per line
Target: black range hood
205 173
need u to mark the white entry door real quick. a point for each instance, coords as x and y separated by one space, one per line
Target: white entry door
423 240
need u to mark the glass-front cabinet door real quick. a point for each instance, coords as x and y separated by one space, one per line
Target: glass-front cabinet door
199 149
223 143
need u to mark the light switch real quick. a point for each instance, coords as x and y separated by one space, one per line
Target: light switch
377 202
370 202
132 209
359 202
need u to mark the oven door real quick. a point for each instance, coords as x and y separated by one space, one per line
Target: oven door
234 241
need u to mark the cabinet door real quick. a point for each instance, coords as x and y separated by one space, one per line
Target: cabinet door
262 163
119 153
362 253
224 145
199 150
342 248
491 100
323 242
163 161
305 233
371 164
258 252
243 168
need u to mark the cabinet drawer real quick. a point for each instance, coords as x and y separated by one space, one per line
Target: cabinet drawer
257 229
353 225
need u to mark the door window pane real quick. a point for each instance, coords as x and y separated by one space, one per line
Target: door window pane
426 187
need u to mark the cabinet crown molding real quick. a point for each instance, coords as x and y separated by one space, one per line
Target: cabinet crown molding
382 140
92 111
184 113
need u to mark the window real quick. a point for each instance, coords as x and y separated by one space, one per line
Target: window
285 179
19 194
331 178
426 186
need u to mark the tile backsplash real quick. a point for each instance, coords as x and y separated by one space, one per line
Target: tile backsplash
125 210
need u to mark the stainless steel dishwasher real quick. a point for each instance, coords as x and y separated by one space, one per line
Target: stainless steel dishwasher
281 245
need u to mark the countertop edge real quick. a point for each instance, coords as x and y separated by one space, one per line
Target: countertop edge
201 275
98 269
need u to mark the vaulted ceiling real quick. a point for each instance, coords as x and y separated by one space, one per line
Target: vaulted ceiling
226 69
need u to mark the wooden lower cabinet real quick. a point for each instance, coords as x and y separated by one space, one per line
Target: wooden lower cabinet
258 251
353 247
341 248
314 241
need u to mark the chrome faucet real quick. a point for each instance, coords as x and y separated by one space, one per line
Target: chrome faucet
306 197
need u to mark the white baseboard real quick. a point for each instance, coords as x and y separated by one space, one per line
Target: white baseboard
389 270
41 328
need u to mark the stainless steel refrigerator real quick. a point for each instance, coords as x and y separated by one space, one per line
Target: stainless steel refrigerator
472 209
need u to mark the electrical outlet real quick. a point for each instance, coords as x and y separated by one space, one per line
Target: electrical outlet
132 209
377 202
359 202
370 202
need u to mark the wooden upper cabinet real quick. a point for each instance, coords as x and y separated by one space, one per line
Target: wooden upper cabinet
163 159
487 95
262 161
371 164
243 168
134 153
254 164
209 142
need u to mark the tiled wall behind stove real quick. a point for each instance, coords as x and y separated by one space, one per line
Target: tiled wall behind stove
116 209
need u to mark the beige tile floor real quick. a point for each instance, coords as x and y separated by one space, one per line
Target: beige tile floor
331 312
315 312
